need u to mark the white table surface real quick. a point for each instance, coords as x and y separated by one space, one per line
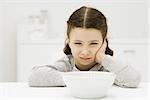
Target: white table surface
10 90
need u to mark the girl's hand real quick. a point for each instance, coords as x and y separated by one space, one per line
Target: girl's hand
101 52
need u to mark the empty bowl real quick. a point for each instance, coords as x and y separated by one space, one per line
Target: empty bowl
88 84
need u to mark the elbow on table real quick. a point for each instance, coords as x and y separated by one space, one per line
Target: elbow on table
135 81
130 82
33 81
45 78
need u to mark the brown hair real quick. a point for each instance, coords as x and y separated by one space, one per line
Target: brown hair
86 17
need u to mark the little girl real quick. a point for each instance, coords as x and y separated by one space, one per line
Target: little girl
86 49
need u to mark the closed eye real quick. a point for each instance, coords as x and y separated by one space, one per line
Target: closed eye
93 43
78 43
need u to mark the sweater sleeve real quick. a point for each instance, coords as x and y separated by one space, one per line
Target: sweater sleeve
126 76
49 75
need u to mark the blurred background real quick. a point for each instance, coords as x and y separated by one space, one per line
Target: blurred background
32 33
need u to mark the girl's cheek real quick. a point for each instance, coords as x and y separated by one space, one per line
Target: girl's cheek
75 51
94 51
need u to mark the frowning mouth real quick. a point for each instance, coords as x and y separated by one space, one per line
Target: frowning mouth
85 58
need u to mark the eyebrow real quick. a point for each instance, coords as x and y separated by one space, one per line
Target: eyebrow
87 41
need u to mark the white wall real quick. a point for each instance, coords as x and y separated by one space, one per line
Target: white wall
1 42
7 45
14 12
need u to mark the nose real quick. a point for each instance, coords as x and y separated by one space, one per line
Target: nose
85 52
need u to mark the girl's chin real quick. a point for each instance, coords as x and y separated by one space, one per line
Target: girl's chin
86 63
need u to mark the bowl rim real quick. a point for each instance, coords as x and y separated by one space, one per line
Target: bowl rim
78 73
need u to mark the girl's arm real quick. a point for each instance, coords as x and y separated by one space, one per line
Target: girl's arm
49 75
126 76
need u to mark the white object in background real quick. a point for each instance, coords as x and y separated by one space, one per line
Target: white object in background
38 26
88 84
39 33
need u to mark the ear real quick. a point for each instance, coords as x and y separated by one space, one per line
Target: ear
105 37
67 42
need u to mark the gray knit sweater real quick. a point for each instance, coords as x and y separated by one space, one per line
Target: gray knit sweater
50 75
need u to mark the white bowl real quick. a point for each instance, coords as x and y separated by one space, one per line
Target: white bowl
88 84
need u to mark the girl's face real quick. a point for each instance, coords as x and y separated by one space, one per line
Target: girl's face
84 44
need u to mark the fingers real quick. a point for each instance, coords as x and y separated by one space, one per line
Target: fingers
101 52
103 47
